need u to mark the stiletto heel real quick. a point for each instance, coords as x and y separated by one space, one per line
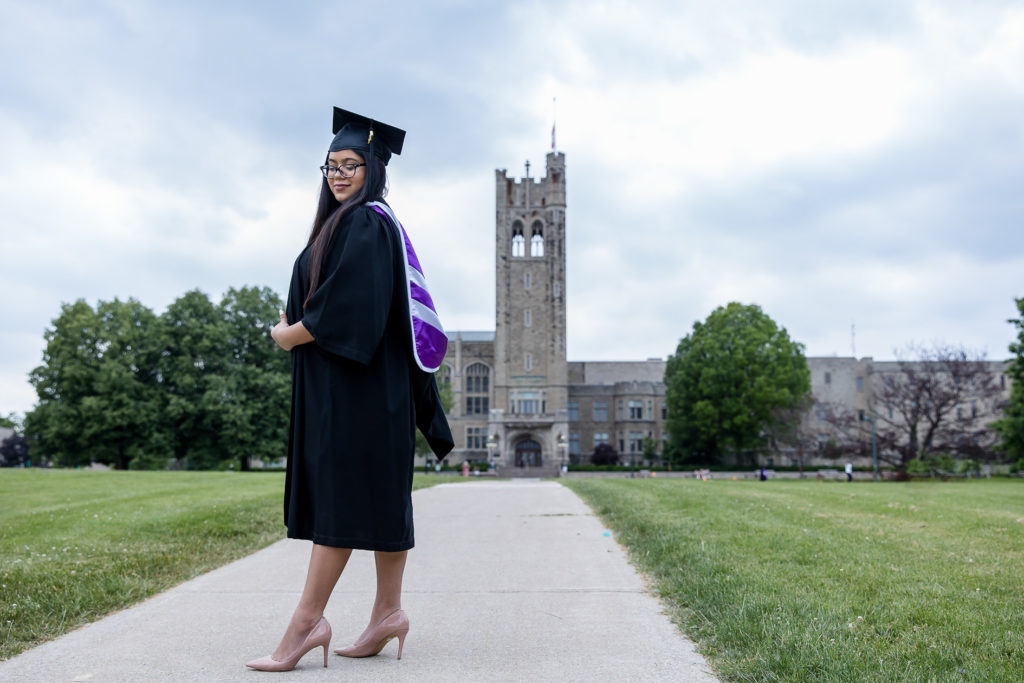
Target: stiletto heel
320 636
395 625
401 641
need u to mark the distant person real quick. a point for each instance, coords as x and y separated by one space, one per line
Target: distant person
849 471
365 341
764 474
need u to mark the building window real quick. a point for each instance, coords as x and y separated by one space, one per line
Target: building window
574 443
477 379
601 411
622 442
828 378
600 437
860 385
664 411
477 405
526 280
888 407
477 383
537 239
621 413
557 289
974 409
518 241
1002 381
636 410
528 402
822 411
574 411
527 318
476 438
636 440
528 362
650 409
959 411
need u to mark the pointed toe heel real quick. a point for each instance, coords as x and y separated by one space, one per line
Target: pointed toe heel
320 636
395 625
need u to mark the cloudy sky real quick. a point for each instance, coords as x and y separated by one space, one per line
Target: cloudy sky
856 165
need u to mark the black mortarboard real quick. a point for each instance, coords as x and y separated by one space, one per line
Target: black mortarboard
353 131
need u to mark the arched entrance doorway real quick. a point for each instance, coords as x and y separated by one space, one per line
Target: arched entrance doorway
528 453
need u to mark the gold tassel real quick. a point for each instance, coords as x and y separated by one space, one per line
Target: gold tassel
370 139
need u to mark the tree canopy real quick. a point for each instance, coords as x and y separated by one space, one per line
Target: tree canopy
1011 427
939 401
201 384
736 384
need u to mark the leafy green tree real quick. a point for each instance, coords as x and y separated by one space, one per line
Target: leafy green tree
650 449
56 427
12 421
193 366
98 386
253 398
1011 426
734 383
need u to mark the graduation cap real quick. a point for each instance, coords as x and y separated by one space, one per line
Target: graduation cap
354 131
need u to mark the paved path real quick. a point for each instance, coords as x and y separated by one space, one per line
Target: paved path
510 581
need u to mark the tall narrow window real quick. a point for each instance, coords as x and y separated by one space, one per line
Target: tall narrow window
518 241
860 385
527 318
574 443
600 411
528 362
526 280
477 389
537 239
574 411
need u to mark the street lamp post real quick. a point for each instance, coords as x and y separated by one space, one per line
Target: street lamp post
492 443
562 448
874 443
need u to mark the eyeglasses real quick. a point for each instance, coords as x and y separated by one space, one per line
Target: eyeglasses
345 170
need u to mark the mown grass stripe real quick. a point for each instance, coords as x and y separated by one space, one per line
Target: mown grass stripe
802 580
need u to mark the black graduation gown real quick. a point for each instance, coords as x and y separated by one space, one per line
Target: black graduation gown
355 391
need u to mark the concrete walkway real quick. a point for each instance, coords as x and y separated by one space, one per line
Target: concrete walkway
510 581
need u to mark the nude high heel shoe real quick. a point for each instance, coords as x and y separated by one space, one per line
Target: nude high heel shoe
395 625
320 636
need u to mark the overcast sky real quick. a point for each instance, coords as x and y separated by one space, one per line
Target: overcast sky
857 165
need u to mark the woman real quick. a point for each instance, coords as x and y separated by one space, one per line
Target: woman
362 363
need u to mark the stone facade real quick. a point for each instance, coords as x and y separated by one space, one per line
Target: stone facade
521 405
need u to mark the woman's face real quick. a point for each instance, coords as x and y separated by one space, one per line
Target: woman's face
343 187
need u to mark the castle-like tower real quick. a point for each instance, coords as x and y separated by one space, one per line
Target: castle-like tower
528 421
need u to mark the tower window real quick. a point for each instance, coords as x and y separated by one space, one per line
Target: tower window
537 239
518 241
528 321
526 280
528 362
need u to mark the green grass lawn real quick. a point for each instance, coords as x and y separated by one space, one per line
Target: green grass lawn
77 545
802 580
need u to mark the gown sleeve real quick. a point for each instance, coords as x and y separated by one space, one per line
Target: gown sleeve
348 312
430 418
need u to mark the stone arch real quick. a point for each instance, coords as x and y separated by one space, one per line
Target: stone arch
528 452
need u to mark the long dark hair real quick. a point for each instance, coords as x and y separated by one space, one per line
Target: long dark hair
329 212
